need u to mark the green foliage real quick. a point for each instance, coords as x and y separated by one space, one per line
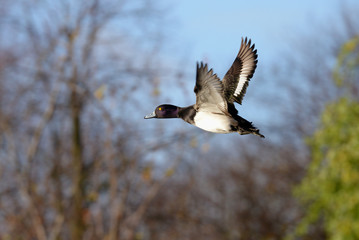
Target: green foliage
345 73
331 187
330 191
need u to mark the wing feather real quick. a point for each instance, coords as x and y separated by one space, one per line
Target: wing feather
209 90
237 78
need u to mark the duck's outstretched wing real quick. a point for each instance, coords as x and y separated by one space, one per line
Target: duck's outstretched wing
236 80
209 90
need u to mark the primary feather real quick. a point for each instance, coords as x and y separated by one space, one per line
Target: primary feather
236 80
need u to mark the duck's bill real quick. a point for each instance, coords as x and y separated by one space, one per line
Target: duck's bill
151 115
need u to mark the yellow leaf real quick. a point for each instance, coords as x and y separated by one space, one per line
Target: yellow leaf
100 92
147 173
169 172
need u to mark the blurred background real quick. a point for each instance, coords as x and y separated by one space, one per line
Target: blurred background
78 161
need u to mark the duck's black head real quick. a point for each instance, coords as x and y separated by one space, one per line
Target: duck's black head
164 111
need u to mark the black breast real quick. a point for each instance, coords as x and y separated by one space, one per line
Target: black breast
187 114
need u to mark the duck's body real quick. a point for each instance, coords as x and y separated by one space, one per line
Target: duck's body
214 110
210 121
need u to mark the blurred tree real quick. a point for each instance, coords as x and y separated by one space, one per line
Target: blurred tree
330 189
70 160
242 196
346 71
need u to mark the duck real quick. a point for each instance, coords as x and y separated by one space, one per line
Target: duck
214 110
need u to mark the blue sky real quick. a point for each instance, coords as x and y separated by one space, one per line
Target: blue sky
212 29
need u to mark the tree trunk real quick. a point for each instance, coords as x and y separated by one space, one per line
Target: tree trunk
78 224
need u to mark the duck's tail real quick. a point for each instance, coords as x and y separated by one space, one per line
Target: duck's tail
253 131
257 133
246 127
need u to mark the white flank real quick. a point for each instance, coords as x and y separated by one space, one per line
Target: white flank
210 122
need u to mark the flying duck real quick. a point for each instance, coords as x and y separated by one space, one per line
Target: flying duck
214 110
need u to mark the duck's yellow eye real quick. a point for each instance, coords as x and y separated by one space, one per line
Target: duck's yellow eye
160 109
